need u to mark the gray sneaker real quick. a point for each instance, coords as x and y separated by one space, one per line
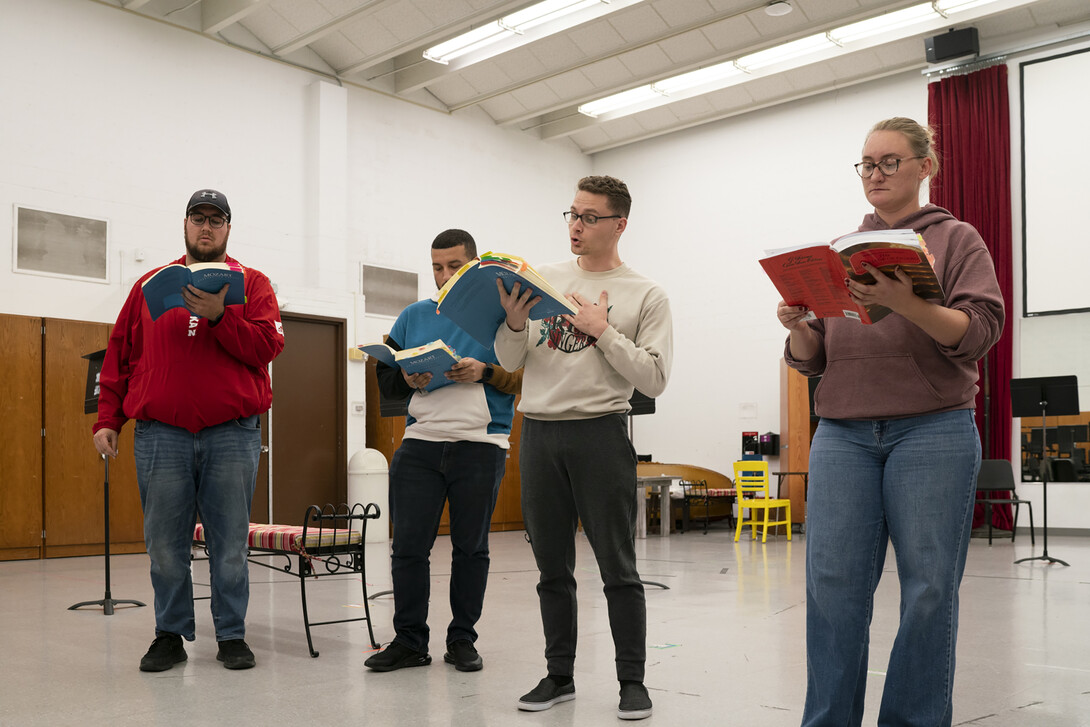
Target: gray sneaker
546 694
635 704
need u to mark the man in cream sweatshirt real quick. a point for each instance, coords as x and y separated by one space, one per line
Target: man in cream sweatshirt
576 461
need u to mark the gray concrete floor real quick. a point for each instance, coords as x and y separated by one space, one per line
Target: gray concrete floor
725 643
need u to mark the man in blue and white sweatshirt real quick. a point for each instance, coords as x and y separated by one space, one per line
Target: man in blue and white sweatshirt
454 450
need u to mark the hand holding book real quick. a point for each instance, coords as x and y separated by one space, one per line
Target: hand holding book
823 277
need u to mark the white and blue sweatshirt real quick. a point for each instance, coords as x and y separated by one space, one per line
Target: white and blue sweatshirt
476 412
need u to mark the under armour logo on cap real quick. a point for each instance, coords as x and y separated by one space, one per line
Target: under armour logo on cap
209 197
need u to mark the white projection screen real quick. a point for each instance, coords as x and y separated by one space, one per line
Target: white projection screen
1055 183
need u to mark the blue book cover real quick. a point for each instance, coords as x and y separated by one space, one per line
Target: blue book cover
471 300
435 358
163 290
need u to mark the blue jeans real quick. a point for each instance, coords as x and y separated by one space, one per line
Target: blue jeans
907 481
424 476
584 471
182 475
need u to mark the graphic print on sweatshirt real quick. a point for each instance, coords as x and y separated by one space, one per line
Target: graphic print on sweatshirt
560 335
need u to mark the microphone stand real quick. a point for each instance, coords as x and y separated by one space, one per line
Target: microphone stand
108 602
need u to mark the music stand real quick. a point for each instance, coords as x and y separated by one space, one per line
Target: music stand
90 406
1056 395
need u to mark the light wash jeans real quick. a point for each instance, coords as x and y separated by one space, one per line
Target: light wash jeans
907 481
181 475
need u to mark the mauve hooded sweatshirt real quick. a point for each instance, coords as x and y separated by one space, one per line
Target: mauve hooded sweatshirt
892 369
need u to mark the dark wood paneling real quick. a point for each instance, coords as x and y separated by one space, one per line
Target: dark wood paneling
309 417
20 437
72 470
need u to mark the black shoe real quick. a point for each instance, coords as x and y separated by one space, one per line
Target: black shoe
165 652
397 656
463 655
235 654
635 704
546 694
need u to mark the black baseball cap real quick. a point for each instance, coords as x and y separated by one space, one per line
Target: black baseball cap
210 197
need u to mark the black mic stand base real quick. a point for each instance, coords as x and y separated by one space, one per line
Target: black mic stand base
1047 557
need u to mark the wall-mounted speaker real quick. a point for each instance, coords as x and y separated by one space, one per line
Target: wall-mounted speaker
954 44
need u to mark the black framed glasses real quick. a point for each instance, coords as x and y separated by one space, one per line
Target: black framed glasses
214 221
888 167
588 219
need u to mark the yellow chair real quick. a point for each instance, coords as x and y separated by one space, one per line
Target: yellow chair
751 486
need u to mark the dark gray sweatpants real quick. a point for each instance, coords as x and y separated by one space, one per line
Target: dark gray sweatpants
584 470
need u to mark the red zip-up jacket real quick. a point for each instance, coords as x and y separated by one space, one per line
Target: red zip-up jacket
184 371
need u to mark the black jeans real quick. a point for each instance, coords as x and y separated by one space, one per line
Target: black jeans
423 476
584 470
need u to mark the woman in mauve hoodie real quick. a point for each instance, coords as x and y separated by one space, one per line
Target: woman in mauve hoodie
896 451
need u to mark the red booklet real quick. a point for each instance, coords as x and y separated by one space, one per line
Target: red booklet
814 275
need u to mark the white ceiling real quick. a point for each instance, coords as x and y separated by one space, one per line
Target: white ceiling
537 86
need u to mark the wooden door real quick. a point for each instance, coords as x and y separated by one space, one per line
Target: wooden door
20 437
797 430
309 417
73 472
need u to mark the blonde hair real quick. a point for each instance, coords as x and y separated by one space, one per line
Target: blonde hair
920 138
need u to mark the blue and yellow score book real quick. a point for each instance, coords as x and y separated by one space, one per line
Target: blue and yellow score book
163 290
471 300
435 358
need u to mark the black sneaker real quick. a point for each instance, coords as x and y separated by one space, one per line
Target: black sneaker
165 652
397 656
546 694
235 654
463 655
635 704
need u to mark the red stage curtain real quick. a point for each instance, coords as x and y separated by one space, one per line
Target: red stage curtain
971 117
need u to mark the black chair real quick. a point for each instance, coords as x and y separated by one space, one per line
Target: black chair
997 475
1064 470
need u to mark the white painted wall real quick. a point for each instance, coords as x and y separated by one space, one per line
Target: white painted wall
707 202
322 178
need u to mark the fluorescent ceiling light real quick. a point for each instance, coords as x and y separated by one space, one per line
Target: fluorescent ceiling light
632 97
787 51
956 6
467 42
545 12
883 23
721 75
514 24
700 77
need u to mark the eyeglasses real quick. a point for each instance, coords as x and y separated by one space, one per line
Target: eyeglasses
588 219
888 167
198 220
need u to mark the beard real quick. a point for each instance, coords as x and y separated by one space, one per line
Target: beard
209 255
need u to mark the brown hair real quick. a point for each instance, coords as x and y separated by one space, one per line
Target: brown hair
616 192
920 138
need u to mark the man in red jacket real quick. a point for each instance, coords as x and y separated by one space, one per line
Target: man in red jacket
195 380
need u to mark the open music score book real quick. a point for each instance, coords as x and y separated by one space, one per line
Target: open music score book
471 300
163 290
435 358
813 275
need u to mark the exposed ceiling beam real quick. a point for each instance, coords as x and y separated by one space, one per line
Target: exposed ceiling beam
749 108
218 14
673 33
414 49
364 9
412 76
